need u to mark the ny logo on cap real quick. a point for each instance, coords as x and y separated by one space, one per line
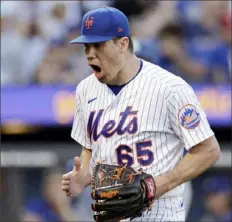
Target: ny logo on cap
89 22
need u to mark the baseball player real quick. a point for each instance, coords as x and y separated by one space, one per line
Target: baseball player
134 113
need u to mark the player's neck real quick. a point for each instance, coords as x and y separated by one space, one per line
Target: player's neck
129 70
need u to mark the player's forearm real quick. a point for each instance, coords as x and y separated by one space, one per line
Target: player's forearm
85 160
199 159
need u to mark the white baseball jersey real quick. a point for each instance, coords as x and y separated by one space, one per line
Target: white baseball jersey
146 125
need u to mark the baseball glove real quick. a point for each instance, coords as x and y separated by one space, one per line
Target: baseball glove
121 192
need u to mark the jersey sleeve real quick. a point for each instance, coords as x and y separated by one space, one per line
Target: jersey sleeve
187 118
79 129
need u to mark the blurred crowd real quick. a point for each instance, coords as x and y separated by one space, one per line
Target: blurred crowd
48 203
217 193
192 39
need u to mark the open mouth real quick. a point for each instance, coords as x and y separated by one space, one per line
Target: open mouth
96 68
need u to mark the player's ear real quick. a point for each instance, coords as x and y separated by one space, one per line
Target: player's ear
124 44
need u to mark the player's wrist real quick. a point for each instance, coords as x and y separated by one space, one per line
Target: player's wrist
162 185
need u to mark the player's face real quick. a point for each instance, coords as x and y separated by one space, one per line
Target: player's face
106 59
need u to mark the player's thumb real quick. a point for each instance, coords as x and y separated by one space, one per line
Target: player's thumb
77 163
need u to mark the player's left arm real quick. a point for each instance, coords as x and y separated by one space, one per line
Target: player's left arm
196 161
190 124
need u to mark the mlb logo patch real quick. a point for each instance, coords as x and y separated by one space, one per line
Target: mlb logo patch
189 117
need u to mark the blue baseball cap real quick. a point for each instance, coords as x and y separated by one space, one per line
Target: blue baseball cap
103 24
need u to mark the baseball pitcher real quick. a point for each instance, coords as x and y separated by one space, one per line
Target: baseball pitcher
134 120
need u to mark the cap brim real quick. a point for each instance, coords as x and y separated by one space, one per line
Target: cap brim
90 39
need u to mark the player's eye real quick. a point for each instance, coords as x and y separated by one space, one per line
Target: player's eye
94 45
97 45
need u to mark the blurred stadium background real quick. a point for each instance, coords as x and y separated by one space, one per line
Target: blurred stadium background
39 73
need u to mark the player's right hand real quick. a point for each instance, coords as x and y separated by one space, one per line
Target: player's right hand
74 181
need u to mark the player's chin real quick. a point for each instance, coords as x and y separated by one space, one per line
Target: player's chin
98 75
101 77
